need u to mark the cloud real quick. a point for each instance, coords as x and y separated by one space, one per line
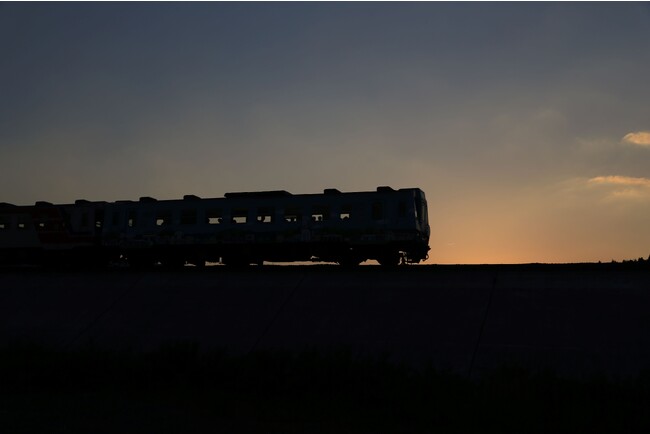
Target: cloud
623 187
640 138
620 181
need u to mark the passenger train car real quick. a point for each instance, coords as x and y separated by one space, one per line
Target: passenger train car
390 226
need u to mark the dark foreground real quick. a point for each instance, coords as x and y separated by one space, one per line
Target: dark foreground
322 349
177 389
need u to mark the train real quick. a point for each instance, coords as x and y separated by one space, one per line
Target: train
241 228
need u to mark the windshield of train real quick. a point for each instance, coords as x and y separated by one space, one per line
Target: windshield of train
421 213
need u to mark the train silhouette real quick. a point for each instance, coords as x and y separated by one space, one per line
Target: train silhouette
387 225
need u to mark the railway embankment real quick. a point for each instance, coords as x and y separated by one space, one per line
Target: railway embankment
576 320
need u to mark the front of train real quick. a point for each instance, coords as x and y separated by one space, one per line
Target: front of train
419 250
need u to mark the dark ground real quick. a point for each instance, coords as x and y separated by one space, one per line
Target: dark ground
525 348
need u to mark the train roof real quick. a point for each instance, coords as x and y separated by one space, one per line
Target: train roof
269 194
327 191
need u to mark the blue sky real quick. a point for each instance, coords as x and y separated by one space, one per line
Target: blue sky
525 123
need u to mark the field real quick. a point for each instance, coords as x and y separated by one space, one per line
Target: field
519 348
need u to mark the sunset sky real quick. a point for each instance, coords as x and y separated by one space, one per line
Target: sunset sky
526 124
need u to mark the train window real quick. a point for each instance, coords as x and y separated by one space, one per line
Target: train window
292 215
214 216
116 219
320 213
99 218
346 212
377 211
188 217
265 215
425 212
163 218
84 219
239 216
47 226
418 207
132 219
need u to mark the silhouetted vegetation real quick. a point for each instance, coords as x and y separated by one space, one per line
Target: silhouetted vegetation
640 262
180 389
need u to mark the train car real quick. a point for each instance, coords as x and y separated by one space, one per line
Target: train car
52 234
19 241
387 225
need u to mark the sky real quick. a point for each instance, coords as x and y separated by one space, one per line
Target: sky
526 124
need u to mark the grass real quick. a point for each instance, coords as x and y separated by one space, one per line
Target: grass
181 389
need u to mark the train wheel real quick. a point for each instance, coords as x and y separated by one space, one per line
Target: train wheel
140 262
236 261
349 261
390 259
173 263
